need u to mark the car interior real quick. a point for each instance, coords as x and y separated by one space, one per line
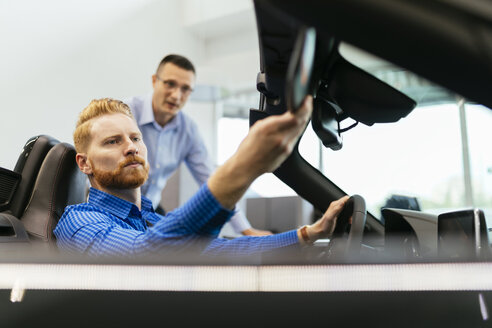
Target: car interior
344 91
300 50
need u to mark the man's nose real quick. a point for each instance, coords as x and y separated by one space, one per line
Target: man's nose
131 148
176 93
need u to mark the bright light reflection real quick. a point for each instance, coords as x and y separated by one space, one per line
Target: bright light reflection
332 278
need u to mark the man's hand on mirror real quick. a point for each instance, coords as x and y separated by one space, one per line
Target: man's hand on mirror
268 143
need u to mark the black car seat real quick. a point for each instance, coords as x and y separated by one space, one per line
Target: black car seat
50 182
59 183
27 166
16 187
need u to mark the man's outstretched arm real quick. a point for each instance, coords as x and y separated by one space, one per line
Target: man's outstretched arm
269 142
323 228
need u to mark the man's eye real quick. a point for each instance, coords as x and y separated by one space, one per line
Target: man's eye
136 139
170 84
111 142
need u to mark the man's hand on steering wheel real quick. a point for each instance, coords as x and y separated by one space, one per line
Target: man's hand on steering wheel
323 228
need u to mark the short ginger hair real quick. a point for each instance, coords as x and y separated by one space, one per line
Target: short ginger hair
96 108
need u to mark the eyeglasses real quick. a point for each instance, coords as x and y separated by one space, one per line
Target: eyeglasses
172 85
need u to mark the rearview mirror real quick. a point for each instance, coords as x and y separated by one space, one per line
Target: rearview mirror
300 68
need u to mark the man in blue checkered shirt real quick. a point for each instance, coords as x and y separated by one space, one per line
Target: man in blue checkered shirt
118 221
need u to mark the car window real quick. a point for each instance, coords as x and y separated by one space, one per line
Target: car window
420 156
231 131
434 159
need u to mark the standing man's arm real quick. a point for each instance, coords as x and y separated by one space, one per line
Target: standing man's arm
196 158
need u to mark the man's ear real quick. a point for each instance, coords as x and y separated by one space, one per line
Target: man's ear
83 163
154 80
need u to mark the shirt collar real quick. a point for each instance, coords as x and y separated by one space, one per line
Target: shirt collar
115 205
147 114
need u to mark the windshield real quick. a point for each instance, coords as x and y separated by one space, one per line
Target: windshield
433 160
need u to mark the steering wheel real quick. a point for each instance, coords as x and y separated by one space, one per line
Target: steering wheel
347 237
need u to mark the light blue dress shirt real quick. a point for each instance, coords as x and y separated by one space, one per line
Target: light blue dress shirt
167 147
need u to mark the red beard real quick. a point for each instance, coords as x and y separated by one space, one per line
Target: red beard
117 179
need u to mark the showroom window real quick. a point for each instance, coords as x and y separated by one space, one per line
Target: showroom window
231 131
422 156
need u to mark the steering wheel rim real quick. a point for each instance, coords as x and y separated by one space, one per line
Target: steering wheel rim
355 208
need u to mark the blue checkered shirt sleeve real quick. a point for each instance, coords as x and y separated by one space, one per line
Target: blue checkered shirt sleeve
108 225
251 245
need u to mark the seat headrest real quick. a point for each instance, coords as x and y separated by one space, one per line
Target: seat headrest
28 165
59 183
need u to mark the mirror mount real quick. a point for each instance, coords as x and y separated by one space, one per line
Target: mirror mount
325 123
266 95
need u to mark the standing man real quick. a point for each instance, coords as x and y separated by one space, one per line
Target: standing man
172 137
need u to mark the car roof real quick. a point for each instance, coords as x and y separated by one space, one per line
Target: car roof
447 42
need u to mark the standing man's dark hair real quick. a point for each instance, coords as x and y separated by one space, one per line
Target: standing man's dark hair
177 60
